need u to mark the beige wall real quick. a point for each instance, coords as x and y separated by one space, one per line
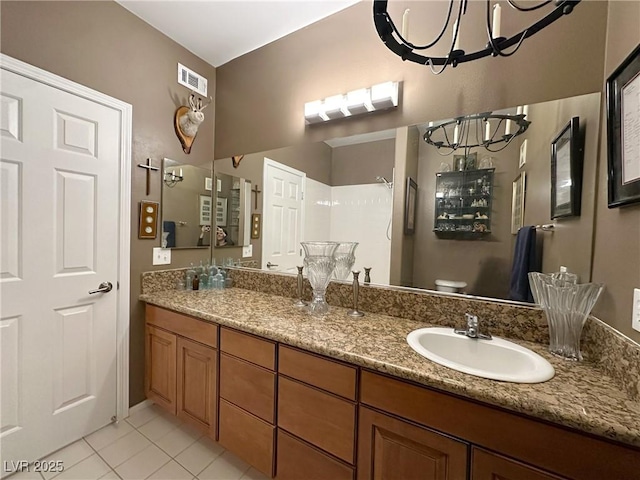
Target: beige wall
343 52
571 241
616 261
361 163
103 46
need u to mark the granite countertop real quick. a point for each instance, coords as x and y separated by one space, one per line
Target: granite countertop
580 395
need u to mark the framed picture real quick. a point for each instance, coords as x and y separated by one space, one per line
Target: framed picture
523 154
410 207
465 162
566 171
255 225
205 210
623 142
517 202
221 212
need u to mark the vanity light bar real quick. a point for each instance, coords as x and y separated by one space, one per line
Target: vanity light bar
356 102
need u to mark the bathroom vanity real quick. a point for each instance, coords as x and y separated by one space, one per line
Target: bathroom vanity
343 398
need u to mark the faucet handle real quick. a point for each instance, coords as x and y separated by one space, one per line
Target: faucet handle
472 320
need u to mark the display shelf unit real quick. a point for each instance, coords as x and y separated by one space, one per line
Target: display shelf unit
463 202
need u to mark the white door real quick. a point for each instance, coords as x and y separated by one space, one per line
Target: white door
283 216
59 230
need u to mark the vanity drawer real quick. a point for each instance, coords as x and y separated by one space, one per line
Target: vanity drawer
249 348
317 417
298 459
248 386
326 374
247 436
183 325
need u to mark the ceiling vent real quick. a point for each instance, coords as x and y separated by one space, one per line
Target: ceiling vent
192 80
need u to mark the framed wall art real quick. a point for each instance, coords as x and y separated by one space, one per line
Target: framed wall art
566 171
410 207
517 203
623 132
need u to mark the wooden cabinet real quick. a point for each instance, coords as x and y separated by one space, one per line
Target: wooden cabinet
389 448
181 367
160 367
247 398
489 466
196 381
300 460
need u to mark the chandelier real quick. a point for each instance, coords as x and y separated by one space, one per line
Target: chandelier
493 131
171 178
497 44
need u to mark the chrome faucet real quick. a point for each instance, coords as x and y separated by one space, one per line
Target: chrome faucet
472 328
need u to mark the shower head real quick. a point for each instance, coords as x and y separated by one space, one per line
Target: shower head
385 181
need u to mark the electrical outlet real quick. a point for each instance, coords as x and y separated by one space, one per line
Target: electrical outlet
247 251
161 256
635 316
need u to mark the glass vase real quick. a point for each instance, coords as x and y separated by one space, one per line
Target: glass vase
566 305
319 263
345 258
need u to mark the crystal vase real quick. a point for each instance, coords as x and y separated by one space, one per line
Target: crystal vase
567 305
345 258
319 263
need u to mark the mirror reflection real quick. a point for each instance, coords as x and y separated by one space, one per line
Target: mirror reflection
187 206
232 211
459 235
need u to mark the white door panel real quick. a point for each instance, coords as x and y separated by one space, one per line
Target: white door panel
284 216
59 229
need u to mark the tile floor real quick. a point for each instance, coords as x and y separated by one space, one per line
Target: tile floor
149 444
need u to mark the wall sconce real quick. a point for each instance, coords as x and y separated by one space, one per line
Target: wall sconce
171 178
364 100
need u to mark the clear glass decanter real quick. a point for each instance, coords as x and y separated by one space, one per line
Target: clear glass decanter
319 263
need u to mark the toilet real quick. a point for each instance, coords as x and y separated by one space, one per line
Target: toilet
450 286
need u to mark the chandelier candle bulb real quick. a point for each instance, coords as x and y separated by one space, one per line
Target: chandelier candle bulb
456 37
497 12
487 130
525 111
519 110
456 133
405 24
507 128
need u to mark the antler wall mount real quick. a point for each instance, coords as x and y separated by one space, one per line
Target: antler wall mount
187 120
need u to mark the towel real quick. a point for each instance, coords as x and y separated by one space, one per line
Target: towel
170 228
525 260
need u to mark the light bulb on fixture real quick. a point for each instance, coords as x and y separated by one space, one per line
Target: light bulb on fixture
171 178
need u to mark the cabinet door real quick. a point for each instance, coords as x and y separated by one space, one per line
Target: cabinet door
197 385
489 466
160 368
392 449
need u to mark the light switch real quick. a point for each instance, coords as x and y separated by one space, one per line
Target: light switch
161 256
247 251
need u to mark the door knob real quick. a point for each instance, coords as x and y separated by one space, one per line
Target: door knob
269 265
104 287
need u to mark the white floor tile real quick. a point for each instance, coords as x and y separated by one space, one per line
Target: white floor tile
200 454
171 471
158 427
177 440
226 467
69 456
108 434
142 416
91 468
124 448
253 474
143 464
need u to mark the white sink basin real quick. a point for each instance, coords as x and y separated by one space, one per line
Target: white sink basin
496 359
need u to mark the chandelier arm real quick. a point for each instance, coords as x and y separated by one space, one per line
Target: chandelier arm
429 45
433 70
529 9
385 32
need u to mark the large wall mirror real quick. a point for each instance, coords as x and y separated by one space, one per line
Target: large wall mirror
187 205
353 189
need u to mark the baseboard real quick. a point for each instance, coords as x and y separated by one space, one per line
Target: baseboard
139 406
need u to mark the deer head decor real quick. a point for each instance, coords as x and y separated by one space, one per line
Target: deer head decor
187 120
